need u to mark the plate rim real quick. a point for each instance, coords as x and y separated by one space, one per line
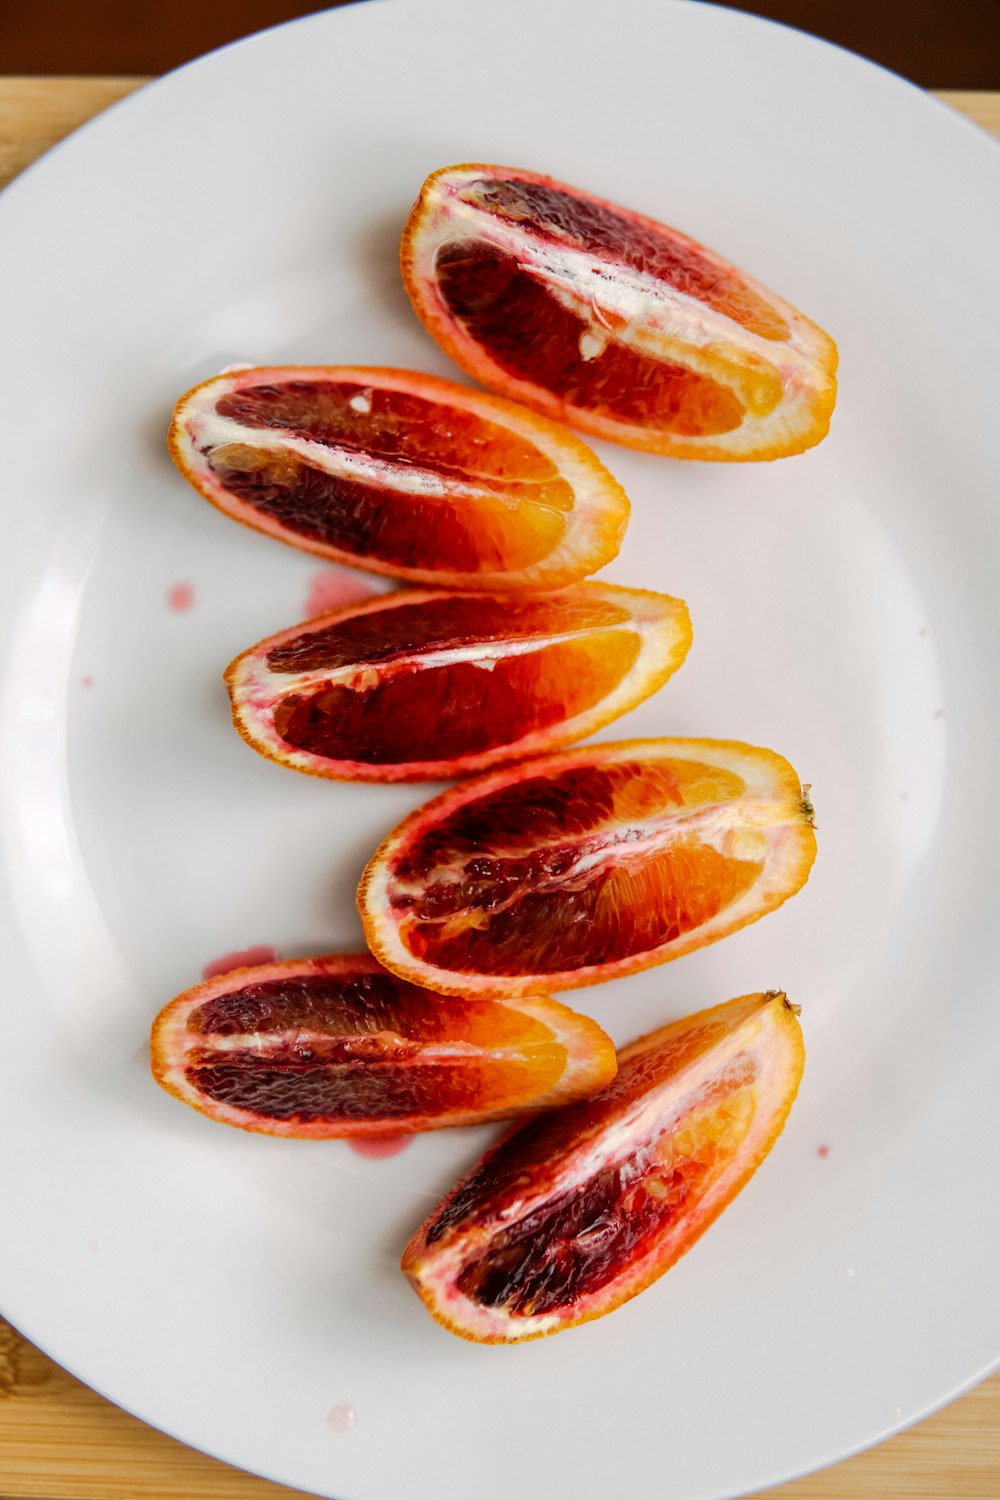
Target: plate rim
36 171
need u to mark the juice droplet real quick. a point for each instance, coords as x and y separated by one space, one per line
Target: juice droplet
243 958
335 588
822 1151
180 597
342 1417
87 681
381 1146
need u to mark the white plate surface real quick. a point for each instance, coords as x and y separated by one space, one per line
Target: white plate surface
234 1290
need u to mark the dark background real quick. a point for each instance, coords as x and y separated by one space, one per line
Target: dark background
938 43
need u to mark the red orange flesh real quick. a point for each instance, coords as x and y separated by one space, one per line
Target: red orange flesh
579 1210
569 869
401 473
419 685
327 1047
610 321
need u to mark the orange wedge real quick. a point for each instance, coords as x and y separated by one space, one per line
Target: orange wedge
611 321
324 1047
579 1210
570 869
414 685
402 474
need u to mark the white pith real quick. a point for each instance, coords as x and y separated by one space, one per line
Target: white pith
588 1050
599 509
755 1032
770 809
711 826
661 623
209 431
657 320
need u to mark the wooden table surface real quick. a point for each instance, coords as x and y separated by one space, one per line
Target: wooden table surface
60 1441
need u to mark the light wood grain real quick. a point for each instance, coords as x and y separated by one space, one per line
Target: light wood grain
983 108
35 113
60 1441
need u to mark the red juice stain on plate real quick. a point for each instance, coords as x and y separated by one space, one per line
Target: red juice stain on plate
386 1145
87 681
822 1151
342 1417
243 958
336 588
180 597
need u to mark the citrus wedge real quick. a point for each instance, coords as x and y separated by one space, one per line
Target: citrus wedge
579 1210
574 868
326 1047
420 685
610 321
401 473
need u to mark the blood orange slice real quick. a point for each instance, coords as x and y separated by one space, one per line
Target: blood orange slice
401 473
579 1210
610 321
327 1047
420 685
574 868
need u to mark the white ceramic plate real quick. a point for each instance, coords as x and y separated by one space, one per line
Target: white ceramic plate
236 1291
